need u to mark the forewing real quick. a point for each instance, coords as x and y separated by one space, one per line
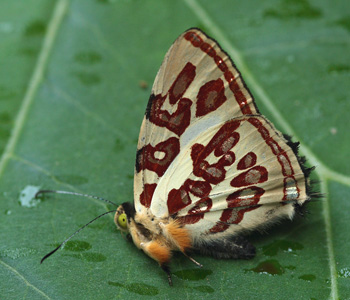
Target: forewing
197 87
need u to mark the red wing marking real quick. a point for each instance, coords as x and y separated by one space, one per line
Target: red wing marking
214 173
198 42
178 121
239 203
284 161
181 83
231 216
210 96
254 175
197 212
147 194
191 219
180 198
158 158
221 144
247 161
245 197
282 157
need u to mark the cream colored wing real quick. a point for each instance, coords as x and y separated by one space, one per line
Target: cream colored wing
231 168
197 87
240 175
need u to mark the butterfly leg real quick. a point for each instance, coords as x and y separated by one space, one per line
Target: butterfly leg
193 260
166 269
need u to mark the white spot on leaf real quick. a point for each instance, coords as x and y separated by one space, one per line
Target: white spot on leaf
26 197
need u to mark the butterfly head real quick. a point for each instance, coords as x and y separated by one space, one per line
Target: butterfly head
124 214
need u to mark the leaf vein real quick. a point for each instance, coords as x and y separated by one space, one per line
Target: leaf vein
83 110
53 178
27 283
330 247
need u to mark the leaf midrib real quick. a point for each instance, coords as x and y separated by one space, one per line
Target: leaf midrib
34 83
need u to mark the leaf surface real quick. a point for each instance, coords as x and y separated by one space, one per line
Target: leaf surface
75 78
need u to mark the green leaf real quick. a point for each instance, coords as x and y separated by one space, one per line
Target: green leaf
75 78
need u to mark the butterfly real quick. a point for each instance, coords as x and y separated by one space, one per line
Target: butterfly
209 167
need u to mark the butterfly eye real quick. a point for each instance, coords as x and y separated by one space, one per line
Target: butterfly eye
122 221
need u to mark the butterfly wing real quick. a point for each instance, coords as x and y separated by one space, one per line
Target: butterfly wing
197 87
244 175
205 154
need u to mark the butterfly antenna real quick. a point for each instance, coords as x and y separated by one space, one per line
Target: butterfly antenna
73 193
81 228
